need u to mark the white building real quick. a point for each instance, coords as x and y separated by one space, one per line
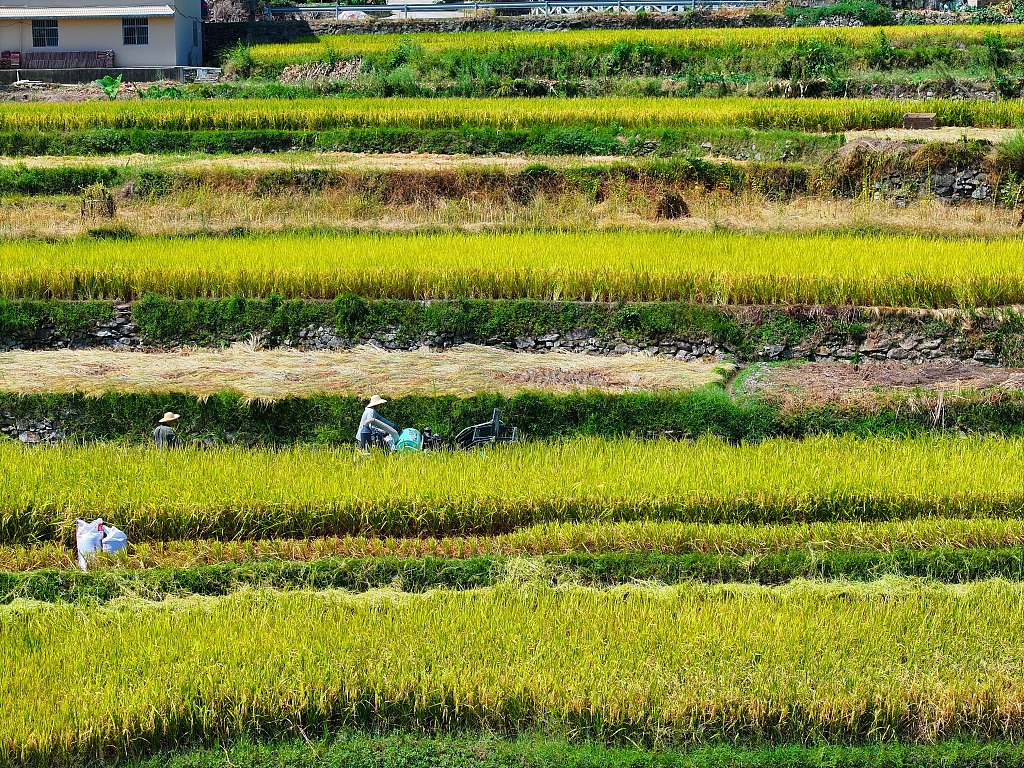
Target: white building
71 34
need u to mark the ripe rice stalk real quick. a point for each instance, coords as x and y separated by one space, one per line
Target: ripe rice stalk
596 42
713 267
817 115
879 662
234 493
639 536
267 375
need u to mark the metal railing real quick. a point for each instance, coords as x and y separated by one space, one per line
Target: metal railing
538 7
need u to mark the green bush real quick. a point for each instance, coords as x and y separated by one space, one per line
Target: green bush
67 317
1010 153
872 14
333 420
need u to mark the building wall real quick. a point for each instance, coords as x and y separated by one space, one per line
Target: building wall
170 39
188 17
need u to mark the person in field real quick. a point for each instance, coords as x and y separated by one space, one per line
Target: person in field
164 435
371 422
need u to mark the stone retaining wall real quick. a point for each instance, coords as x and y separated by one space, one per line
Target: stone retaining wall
905 336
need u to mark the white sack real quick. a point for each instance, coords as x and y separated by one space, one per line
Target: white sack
97 536
89 538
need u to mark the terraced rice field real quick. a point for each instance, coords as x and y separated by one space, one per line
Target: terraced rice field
625 265
822 115
743 40
688 664
766 507
239 493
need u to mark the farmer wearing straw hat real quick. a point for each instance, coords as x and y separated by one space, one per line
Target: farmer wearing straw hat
163 435
372 422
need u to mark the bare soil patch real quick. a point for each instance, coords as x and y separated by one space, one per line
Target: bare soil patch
947 134
798 384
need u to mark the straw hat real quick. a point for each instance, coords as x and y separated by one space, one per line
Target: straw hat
170 418
376 400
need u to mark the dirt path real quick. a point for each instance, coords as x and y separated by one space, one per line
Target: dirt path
304 160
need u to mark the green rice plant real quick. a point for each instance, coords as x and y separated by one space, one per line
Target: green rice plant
878 662
821 115
706 267
302 492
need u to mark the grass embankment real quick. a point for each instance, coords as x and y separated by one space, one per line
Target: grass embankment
532 751
743 330
539 140
399 180
333 420
449 181
606 266
233 493
692 62
690 664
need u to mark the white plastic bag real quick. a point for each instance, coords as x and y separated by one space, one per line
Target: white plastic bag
95 537
115 539
89 538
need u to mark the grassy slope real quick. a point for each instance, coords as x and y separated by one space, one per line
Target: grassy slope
354 750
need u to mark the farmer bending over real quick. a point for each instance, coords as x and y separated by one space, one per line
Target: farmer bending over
163 435
372 422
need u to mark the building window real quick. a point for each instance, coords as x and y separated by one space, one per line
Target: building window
136 31
195 34
44 33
